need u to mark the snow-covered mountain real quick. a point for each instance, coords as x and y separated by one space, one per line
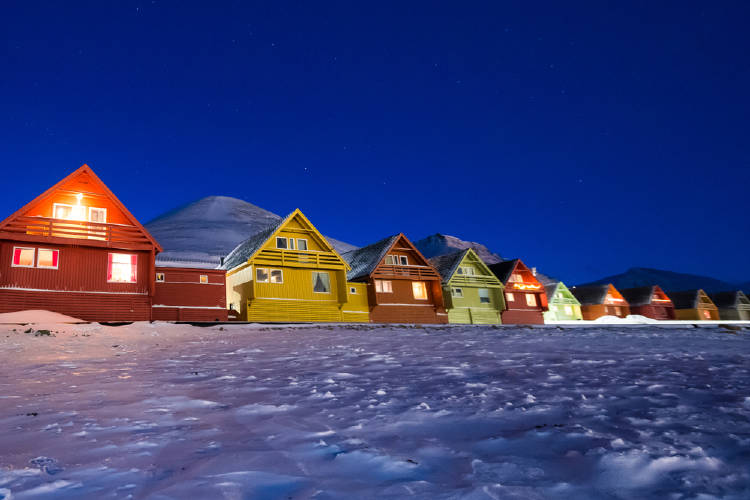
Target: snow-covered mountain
442 244
668 280
200 233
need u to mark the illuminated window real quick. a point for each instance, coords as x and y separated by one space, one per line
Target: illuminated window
321 282
515 278
160 277
618 311
457 292
510 297
569 310
23 257
404 260
204 279
122 268
98 215
531 300
277 276
391 260
484 296
420 290
261 275
47 259
62 211
301 244
281 242
383 286
707 314
353 290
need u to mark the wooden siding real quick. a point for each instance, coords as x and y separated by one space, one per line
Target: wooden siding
557 312
523 317
592 312
357 307
469 309
697 314
739 314
654 311
85 306
190 299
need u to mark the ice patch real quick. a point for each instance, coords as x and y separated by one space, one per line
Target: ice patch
263 409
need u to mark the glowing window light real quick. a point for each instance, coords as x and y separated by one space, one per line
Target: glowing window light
122 268
526 286
420 290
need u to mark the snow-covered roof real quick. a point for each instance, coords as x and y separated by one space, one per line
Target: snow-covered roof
247 248
363 261
551 289
685 299
729 300
196 260
446 264
590 295
639 296
504 269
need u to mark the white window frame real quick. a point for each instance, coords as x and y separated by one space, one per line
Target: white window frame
51 250
380 284
568 310
298 245
268 275
201 278
352 290
457 292
329 281
33 259
54 210
286 243
390 260
510 297
531 297
403 260
290 242
424 287
489 299
135 278
469 271
516 278
163 277
97 208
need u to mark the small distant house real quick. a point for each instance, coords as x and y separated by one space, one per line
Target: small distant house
732 305
291 273
563 305
601 300
525 297
402 286
185 293
471 292
649 301
693 305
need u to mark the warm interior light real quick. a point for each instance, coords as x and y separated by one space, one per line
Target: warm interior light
526 286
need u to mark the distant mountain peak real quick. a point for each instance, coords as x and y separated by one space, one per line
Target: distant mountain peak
667 280
442 244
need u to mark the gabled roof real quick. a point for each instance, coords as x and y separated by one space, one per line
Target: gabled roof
504 269
447 264
729 300
642 295
84 169
248 248
686 299
551 289
590 295
546 280
363 261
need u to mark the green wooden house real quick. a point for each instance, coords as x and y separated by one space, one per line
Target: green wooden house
471 292
563 305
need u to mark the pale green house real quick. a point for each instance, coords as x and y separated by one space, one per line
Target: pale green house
471 292
563 305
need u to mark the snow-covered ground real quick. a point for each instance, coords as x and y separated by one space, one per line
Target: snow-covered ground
166 411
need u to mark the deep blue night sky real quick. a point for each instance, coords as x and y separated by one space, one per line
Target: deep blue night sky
581 137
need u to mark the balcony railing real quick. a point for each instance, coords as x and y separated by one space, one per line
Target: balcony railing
418 272
82 230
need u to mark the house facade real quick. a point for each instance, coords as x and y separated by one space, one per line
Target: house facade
290 273
189 294
649 301
525 297
734 306
402 286
472 294
601 300
563 305
693 305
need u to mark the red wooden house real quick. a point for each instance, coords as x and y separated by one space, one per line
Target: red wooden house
525 296
402 286
649 301
75 249
601 300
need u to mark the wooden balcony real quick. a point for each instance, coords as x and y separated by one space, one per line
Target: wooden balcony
413 272
62 231
298 258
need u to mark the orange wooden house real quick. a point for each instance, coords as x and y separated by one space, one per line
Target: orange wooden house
525 296
77 250
402 286
601 300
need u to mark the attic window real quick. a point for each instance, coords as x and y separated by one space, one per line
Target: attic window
469 271
301 244
404 260
391 260
97 215
281 242
515 278
569 310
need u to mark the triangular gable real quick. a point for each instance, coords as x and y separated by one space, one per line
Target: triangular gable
530 283
742 299
700 296
615 294
83 170
565 292
402 242
249 248
659 297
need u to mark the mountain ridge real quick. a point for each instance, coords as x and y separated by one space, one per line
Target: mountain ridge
668 281
442 244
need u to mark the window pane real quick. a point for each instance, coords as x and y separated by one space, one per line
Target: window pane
97 215
160 277
388 287
404 260
420 290
353 291
457 292
378 286
291 243
261 275
281 243
568 310
301 244
204 278
47 258
321 282
484 296
510 297
23 257
530 299
276 276
63 212
122 268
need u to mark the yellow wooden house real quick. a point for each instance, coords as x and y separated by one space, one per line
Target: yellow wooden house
290 273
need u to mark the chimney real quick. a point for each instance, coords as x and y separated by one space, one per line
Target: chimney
533 271
221 259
